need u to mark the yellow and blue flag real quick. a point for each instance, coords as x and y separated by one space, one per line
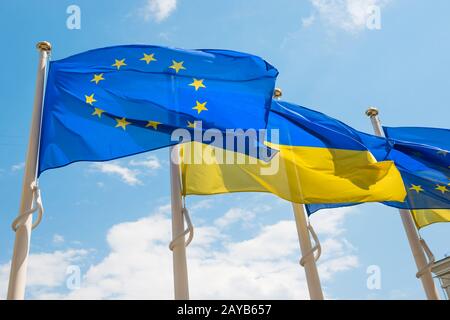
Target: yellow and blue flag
422 155
118 101
319 160
423 218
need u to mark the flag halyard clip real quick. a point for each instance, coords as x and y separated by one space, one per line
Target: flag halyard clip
430 256
37 207
190 230
316 250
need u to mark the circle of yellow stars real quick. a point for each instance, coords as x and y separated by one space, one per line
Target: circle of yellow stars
148 58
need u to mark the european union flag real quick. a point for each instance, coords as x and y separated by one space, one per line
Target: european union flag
422 155
118 101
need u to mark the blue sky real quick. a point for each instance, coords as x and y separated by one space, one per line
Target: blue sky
112 220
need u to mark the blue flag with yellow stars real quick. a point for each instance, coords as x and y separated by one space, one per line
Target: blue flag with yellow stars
422 155
118 101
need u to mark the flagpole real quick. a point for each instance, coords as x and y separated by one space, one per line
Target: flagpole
410 229
178 246
308 260
312 275
19 262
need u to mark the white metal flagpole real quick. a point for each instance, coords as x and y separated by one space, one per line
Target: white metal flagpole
19 263
308 260
411 232
178 244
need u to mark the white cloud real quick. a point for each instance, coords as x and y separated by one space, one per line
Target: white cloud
234 215
46 271
18 166
141 167
158 10
330 221
151 162
273 242
348 15
127 175
329 268
307 22
139 263
58 239
49 269
202 204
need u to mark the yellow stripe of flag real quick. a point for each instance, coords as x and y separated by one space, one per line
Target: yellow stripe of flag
305 174
424 218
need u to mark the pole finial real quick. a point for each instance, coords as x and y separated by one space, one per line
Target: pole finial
277 93
372 112
44 46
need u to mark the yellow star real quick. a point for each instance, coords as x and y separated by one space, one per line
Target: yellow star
119 63
148 58
98 78
122 123
200 107
442 153
191 124
418 189
177 66
153 124
442 189
90 99
197 84
98 112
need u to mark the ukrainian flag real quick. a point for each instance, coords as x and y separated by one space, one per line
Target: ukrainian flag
320 160
424 218
422 156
